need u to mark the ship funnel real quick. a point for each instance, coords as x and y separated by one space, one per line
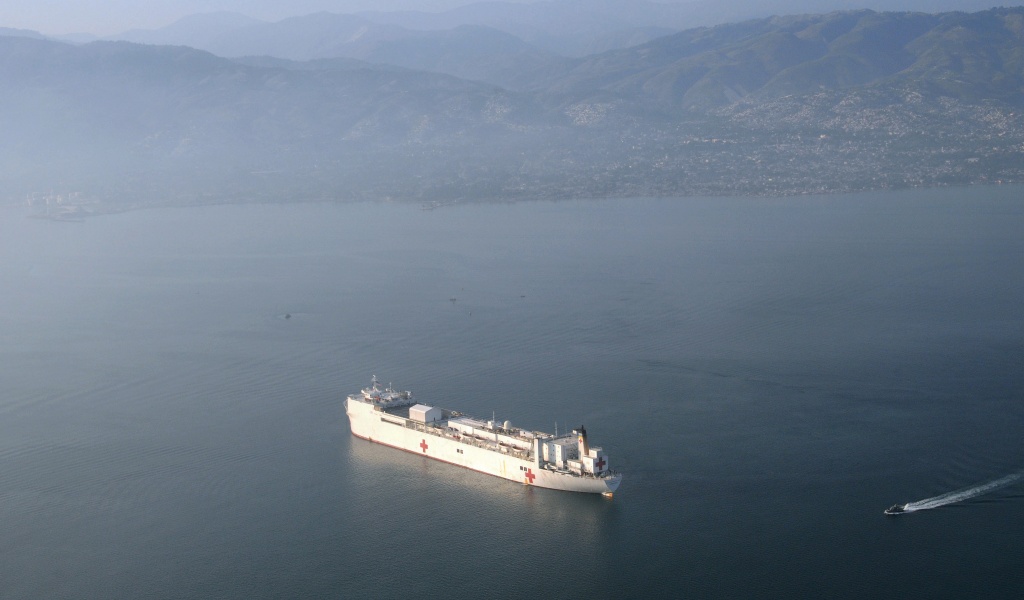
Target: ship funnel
584 445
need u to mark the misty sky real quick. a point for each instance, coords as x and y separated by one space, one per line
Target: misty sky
109 17
105 17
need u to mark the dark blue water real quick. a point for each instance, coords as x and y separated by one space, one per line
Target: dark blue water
769 375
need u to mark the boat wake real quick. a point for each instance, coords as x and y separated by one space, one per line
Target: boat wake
963 494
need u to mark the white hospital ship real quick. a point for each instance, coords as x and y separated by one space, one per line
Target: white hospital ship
566 462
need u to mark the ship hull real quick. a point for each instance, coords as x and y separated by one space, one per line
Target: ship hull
382 428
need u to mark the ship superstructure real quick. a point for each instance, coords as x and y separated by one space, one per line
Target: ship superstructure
566 462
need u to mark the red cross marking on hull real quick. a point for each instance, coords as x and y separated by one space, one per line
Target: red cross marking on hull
601 464
530 476
423 445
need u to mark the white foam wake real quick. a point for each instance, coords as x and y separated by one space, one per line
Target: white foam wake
963 494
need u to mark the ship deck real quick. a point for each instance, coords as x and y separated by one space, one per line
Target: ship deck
400 415
440 428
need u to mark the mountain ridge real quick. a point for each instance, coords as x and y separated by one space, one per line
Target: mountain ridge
708 67
798 104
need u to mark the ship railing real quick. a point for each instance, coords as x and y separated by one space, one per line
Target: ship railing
567 471
462 438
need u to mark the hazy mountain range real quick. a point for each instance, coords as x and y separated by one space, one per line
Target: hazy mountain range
566 27
842 101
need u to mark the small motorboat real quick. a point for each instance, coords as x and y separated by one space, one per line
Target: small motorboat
896 509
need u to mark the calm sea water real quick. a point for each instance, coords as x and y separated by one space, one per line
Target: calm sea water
769 375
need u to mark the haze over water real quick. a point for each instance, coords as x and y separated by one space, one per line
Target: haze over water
769 374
